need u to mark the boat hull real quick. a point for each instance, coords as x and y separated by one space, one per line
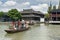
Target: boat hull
15 31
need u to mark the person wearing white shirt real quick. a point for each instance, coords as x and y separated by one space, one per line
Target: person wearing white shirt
23 23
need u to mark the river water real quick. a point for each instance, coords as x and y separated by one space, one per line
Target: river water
37 32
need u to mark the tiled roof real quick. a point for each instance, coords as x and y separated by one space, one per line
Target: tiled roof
30 16
31 11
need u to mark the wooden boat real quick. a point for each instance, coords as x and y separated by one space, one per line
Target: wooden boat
15 31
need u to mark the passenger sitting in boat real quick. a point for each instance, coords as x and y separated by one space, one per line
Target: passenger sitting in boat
15 28
26 24
23 23
12 26
16 25
19 24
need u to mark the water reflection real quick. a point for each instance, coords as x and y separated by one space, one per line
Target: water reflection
44 32
54 33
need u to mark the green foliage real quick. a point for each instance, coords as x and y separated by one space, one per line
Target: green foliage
1 14
50 8
14 14
54 7
47 15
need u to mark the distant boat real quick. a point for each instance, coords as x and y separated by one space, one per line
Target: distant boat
15 31
31 22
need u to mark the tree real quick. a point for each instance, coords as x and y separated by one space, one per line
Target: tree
14 14
54 7
47 16
50 8
1 14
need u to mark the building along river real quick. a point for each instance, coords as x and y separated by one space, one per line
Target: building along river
37 32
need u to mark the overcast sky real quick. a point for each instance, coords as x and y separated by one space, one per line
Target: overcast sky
38 5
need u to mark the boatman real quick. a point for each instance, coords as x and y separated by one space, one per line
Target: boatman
23 23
